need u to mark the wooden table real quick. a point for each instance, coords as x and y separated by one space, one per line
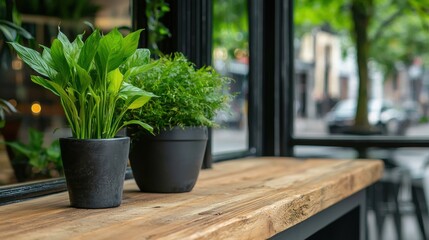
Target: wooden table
241 199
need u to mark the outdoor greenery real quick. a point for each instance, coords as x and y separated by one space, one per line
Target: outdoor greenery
88 76
186 96
44 161
378 30
157 31
231 30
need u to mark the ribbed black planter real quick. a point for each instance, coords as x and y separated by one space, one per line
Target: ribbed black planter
170 161
95 170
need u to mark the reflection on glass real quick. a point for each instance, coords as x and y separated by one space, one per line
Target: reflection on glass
41 119
324 152
384 53
231 58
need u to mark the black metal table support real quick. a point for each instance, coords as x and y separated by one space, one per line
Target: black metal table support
344 220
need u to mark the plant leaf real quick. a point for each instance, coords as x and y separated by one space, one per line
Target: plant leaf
44 83
46 55
137 122
65 41
8 33
131 42
138 70
60 62
7 106
35 139
53 150
115 79
84 79
34 60
138 101
19 147
76 47
134 97
139 58
89 24
110 51
128 90
19 30
89 50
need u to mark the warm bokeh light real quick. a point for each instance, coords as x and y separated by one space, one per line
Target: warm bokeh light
17 64
36 108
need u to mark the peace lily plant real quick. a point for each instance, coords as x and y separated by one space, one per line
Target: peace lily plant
90 77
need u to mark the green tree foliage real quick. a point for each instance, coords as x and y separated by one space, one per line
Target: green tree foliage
230 24
155 10
401 43
379 29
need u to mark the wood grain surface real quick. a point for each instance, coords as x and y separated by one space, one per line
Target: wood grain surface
252 198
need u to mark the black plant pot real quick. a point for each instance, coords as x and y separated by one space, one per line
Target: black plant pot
170 161
95 170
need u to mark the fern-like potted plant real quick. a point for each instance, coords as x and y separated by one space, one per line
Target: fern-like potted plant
88 76
170 160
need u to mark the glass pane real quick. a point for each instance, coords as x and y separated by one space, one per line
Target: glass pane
231 58
38 108
383 52
324 152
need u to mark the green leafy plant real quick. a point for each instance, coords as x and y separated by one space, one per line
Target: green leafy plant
5 107
9 32
13 32
44 161
88 76
187 96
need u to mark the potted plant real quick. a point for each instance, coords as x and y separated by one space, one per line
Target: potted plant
9 31
187 102
34 161
88 76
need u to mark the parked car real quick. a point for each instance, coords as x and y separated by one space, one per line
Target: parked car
382 115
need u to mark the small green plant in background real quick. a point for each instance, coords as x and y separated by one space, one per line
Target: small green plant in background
13 32
43 161
5 107
186 96
90 77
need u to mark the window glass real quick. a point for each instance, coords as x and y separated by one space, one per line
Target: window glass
363 71
231 58
40 116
